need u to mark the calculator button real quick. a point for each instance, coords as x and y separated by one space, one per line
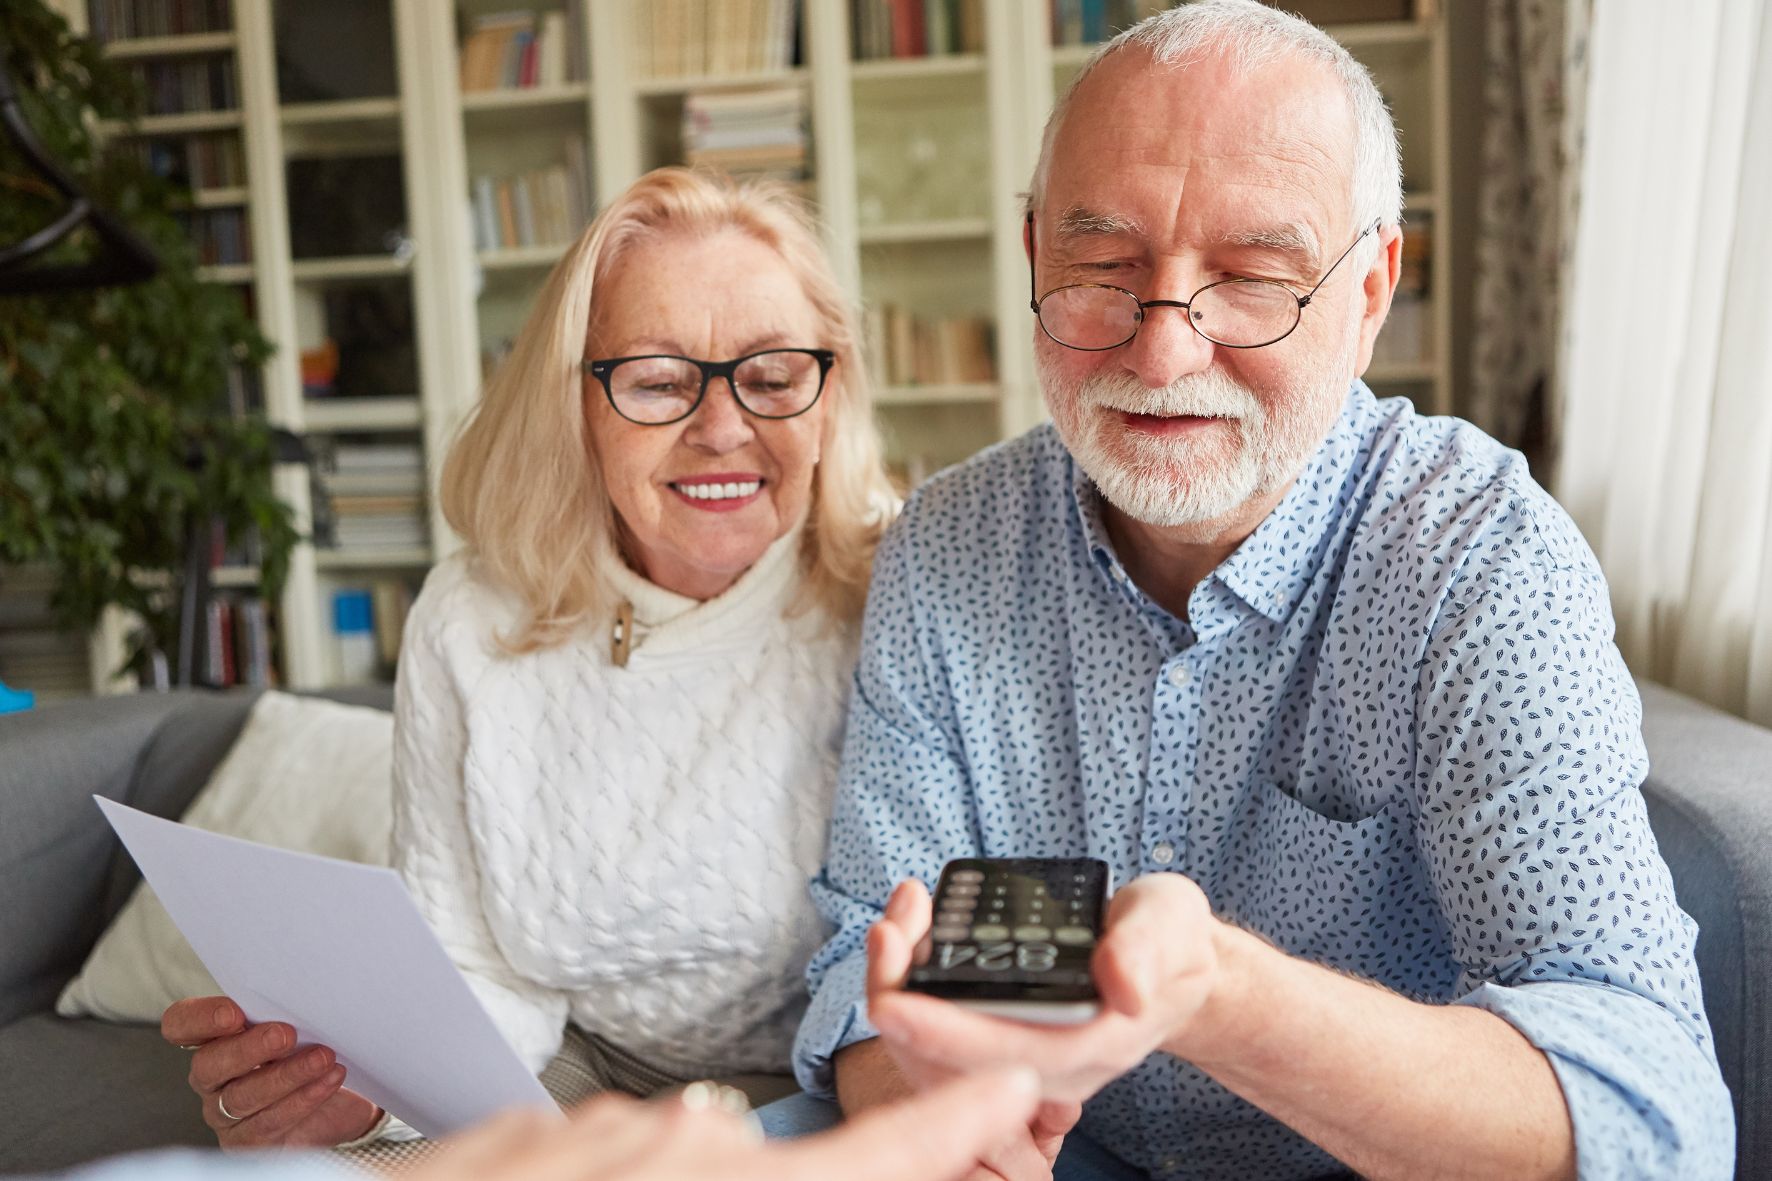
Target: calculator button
1032 933
1073 936
951 934
966 876
961 890
990 932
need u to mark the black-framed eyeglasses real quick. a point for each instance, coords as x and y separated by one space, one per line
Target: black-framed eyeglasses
1235 313
657 389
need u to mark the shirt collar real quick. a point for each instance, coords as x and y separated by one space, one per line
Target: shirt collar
1275 564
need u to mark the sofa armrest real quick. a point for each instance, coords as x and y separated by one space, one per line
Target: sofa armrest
63 873
1709 793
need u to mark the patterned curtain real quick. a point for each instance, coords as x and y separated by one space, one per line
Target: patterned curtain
1535 58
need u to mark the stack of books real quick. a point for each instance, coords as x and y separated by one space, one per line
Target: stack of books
519 50
371 496
189 84
910 350
747 132
915 28
114 20
540 207
34 655
690 38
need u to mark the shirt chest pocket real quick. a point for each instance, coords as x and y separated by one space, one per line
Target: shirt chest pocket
1336 891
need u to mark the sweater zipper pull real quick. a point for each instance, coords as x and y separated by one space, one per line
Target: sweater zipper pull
621 641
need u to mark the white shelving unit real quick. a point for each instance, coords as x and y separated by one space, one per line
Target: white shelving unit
918 166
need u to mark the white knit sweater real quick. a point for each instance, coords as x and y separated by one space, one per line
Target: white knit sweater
625 848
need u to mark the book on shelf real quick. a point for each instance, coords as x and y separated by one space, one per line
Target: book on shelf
368 620
187 85
747 132
908 350
522 50
118 20
236 648
220 235
1086 22
204 161
691 38
915 28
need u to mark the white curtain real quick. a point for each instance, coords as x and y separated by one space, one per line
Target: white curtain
1666 367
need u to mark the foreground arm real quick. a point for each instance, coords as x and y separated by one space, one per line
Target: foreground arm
613 1138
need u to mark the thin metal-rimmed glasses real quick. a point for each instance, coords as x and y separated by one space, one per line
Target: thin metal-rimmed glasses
657 389
1235 313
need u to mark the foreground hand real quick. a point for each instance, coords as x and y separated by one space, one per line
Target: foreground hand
1027 1156
257 1088
933 1137
1155 967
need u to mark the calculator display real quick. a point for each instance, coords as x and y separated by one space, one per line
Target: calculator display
1013 929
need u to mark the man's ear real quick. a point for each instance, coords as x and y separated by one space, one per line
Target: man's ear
1377 288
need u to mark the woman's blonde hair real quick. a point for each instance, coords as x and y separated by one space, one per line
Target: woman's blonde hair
521 483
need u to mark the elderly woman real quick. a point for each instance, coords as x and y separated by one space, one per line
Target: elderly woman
619 706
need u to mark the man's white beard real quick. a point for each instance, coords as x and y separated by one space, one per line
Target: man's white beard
1208 473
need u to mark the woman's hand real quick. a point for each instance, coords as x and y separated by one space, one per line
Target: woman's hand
257 1088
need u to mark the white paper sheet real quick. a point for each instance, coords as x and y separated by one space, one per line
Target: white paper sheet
340 952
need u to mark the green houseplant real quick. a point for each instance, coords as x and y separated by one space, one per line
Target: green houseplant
115 432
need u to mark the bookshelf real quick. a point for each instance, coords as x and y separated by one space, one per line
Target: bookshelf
914 151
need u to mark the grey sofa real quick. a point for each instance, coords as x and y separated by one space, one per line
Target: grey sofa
74 1090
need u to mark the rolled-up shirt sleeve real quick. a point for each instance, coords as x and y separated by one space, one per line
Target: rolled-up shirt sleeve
1533 829
904 803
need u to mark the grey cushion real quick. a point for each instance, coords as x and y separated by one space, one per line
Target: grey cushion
76 1090
56 852
1710 801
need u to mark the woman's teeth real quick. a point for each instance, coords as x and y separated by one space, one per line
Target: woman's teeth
719 491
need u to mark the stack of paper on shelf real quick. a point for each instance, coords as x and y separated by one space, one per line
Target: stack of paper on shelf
747 132
373 496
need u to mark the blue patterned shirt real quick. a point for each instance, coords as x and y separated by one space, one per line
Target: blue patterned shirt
1393 735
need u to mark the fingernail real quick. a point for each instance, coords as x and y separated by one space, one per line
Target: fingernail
282 1038
224 1014
335 1076
698 1096
314 1062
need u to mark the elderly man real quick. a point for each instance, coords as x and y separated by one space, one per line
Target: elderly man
1331 685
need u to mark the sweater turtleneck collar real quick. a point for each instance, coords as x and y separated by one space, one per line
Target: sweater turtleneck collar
666 621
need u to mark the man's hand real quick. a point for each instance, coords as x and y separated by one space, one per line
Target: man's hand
1156 968
933 1137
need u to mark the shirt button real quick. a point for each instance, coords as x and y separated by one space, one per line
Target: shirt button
1120 575
1163 853
1179 676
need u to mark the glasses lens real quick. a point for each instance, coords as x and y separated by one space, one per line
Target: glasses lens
1244 312
1089 317
778 384
654 389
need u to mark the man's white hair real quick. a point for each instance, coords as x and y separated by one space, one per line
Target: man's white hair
1252 34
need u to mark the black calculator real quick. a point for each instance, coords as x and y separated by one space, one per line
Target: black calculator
1013 936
